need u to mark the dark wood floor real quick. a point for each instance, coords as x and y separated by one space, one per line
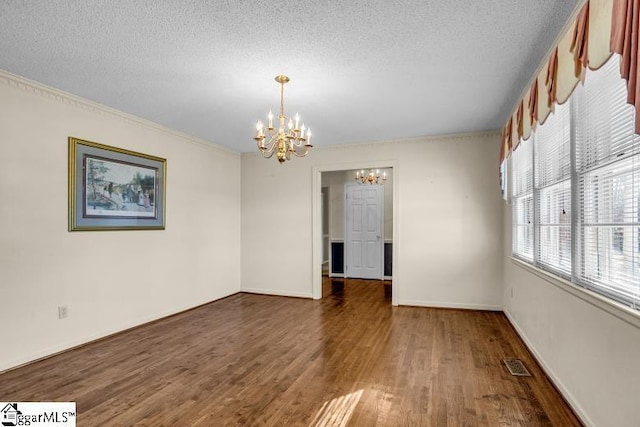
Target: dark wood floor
350 359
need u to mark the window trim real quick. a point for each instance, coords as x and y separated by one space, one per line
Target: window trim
608 305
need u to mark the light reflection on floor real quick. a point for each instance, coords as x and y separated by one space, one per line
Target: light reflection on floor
336 412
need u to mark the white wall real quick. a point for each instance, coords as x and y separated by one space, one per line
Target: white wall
449 203
109 280
591 354
335 181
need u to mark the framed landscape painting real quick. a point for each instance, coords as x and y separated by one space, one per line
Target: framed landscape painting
114 189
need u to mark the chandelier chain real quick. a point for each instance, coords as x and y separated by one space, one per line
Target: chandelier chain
281 99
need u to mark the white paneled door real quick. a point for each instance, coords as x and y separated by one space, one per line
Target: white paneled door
364 226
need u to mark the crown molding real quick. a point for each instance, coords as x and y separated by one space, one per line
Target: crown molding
455 137
417 140
13 80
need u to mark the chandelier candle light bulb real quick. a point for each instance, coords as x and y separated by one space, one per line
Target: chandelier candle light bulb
284 142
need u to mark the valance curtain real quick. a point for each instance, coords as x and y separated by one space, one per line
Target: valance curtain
600 28
624 40
580 42
552 78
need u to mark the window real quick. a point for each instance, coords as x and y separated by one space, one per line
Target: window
552 154
522 199
587 153
608 174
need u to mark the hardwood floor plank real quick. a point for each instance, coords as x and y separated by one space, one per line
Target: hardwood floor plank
257 360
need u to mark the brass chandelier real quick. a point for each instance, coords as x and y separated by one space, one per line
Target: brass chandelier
371 177
295 140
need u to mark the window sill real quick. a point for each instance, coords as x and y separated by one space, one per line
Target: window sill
621 311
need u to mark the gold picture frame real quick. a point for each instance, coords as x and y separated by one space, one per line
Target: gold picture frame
112 188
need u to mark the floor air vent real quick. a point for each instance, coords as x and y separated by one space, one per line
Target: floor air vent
516 367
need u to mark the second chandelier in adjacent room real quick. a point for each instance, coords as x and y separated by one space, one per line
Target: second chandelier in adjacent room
371 177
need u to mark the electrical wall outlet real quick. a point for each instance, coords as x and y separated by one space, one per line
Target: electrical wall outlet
63 312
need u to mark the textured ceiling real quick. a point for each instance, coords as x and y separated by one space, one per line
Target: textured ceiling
360 70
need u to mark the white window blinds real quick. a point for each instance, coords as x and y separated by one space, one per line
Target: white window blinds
552 154
608 173
522 200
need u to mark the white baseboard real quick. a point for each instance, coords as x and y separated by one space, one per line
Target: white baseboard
440 304
277 292
579 411
336 275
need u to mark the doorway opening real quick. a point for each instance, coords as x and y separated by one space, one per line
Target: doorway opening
354 229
